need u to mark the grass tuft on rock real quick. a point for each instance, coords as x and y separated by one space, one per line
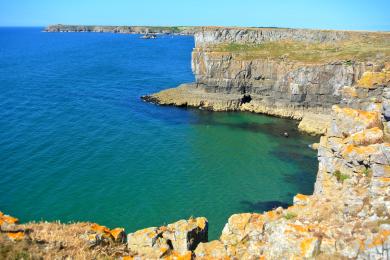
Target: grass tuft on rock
341 177
290 215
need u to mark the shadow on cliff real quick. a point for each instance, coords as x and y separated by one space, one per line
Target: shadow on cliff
261 206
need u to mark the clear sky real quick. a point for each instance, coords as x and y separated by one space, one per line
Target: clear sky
331 14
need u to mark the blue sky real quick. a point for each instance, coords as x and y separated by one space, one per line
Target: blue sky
331 14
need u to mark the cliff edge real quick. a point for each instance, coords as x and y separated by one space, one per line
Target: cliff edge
292 73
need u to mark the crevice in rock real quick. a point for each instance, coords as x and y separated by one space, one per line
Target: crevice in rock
246 99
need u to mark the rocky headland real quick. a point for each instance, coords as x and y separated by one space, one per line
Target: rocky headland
176 30
338 84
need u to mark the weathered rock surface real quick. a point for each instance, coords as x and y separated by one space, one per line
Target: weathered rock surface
179 238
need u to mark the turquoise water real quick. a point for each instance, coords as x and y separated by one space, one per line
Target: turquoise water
78 144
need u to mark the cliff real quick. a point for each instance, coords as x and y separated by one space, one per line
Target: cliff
182 30
284 72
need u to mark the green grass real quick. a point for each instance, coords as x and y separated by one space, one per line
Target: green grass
369 48
367 172
340 176
290 215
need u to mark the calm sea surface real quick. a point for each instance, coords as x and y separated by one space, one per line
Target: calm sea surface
78 144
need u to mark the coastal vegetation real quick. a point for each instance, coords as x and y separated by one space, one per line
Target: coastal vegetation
372 47
341 177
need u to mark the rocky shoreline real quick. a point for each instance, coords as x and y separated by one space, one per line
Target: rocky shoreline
346 100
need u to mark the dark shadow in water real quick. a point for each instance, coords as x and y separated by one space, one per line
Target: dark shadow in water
274 129
261 206
305 176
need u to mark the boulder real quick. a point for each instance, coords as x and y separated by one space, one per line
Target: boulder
211 250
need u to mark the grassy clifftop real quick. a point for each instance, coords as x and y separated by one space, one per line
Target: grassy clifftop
372 47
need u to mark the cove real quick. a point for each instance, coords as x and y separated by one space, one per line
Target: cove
78 144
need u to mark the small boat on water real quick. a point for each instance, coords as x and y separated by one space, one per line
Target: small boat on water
149 36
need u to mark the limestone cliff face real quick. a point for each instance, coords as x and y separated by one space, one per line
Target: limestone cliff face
285 72
275 82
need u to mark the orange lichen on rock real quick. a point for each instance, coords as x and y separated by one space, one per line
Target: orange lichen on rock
380 238
177 256
301 199
360 150
15 236
201 222
8 219
369 136
271 215
299 228
373 79
100 229
361 115
309 247
118 234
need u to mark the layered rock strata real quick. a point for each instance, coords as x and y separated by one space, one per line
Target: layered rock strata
283 72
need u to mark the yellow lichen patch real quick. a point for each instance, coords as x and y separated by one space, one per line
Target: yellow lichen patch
306 245
380 238
15 236
299 228
361 150
302 197
9 219
384 179
101 229
350 92
369 136
162 229
177 256
116 233
127 257
372 79
201 222
369 118
271 215
239 221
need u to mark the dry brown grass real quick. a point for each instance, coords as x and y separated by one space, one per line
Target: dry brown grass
57 241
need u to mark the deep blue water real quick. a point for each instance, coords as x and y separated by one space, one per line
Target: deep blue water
78 144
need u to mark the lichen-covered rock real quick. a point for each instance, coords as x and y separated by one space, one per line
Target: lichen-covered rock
315 124
372 79
211 250
180 237
185 235
347 121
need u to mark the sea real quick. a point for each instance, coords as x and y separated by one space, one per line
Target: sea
78 144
